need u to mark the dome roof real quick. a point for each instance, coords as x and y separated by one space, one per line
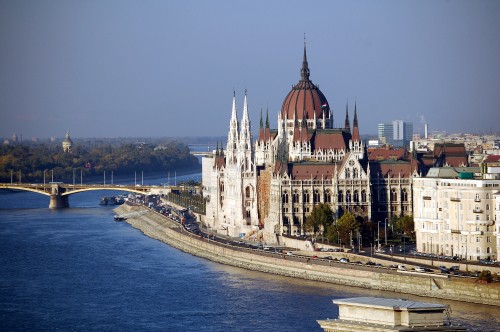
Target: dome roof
67 139
305 98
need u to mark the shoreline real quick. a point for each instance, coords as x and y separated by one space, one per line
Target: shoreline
157 226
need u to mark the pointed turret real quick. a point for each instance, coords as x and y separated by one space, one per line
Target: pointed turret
261 122
233 136
267 119
355 129
347 125
245 121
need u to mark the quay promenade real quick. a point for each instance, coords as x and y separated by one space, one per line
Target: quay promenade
159 227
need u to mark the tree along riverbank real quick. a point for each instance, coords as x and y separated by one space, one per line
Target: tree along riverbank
161 228
34 162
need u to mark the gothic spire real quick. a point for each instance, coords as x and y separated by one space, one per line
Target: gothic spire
347 125
261 122
355 121
355 129
267 118
233 112
304 72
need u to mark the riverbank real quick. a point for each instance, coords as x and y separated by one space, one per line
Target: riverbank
161 228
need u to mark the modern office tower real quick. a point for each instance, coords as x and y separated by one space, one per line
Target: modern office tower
397 133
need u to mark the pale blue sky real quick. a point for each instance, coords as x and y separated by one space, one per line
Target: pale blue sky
168 68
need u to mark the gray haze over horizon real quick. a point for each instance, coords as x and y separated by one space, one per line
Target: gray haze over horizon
168 68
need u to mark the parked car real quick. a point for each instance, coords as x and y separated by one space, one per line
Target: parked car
344 260
419 269
401 268
289 253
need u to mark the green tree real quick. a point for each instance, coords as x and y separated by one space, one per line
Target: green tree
405 226
320 219
346 226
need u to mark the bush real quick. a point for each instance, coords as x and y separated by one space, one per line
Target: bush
486 276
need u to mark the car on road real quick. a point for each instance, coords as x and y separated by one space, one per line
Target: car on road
401 268
344 260
419 269
289 253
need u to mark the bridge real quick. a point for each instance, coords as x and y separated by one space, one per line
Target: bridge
59 192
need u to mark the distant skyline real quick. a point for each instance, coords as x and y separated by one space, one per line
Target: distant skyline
168 68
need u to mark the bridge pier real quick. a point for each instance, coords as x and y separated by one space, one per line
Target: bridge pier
57 200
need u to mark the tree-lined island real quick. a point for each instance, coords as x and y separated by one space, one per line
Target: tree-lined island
28 161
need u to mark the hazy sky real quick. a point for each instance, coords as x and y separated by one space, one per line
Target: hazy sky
168 68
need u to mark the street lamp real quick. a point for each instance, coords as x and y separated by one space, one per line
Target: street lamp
378 235
385 229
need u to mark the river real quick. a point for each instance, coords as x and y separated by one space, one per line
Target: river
77 269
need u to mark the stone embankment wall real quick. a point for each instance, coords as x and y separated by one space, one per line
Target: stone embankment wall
158 227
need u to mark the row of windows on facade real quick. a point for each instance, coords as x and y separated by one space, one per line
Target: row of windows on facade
447 227
478 249
340 197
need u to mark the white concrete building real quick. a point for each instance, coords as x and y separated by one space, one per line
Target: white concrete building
375 314
455 210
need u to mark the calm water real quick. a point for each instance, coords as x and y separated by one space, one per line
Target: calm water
76 269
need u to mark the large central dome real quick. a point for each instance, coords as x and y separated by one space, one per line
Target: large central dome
305 99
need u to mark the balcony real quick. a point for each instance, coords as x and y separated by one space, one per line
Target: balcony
427 198
454 199
477 199
476 210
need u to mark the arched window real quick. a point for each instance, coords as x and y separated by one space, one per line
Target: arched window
487 207
328 196
348 196
354 173
285 197
394 195
341 196
306 197
285 220
356 196
317 196
221 186
404 196
363 196
295 196
347 173
247 192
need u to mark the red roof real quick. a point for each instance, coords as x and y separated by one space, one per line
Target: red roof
385 154
492 159
312 171
392 169
330 139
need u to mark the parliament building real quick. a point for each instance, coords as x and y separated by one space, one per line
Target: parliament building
271 184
